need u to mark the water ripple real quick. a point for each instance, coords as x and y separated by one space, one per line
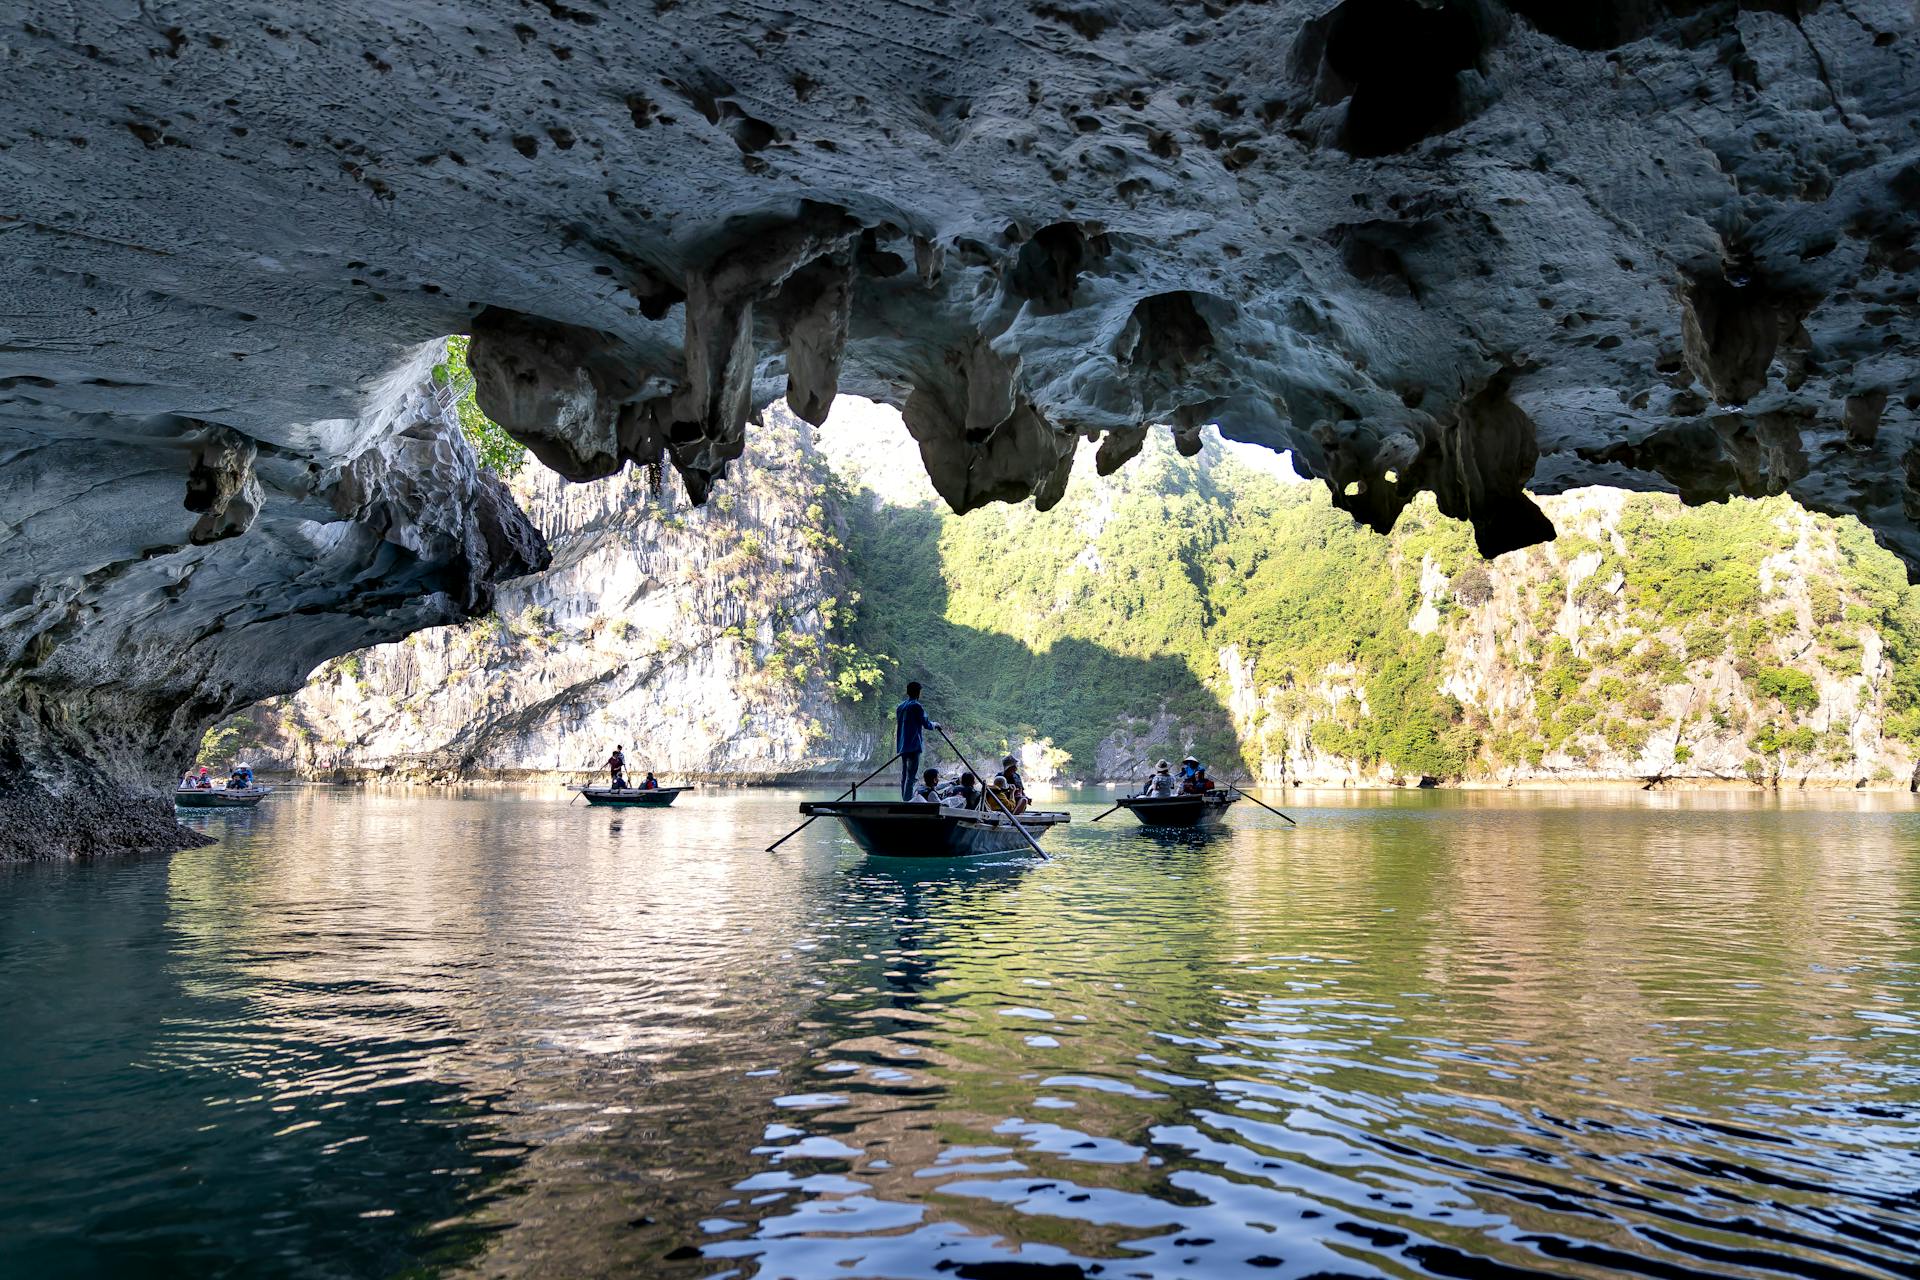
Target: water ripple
392 1031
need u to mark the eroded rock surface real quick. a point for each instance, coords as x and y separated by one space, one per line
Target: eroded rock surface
128 622
699 637
1463 245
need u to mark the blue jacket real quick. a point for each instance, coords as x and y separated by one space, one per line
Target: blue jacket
909 724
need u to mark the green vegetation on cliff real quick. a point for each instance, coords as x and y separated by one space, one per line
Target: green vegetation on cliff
499 452
969 607
1650 638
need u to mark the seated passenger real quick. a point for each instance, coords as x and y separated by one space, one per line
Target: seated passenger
1161 784
996 798
1201 782
1016 785
650 783
964 794
927 790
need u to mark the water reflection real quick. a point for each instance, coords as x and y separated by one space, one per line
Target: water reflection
1418 1034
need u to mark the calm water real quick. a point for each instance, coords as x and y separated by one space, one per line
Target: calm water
406 1032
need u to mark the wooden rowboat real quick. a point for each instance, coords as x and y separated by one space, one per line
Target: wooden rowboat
632 797
898 829
1180 811
244 798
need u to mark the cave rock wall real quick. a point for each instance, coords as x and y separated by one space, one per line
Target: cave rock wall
156 574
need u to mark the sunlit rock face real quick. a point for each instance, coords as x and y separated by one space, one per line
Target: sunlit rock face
699 638
1460 245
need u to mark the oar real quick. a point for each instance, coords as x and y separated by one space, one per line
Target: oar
577 791
842 796
988 791
1269 808
1118 807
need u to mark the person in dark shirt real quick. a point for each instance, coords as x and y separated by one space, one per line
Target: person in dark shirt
650 783
910 724
617 769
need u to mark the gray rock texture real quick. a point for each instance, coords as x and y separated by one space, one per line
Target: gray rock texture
157 573
699 638
1454 245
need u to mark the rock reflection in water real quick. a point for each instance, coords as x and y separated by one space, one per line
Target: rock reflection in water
1440 1034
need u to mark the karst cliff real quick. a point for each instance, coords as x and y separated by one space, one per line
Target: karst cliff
712 642
1468 247
1212 604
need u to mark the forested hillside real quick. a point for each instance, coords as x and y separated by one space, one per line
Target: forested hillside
1203 604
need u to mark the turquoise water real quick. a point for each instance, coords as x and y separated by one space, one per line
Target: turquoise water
379 1033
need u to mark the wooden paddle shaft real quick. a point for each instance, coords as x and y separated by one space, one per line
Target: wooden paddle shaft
842 796
988 791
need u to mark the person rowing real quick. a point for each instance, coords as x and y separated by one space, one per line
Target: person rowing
616 768
910 723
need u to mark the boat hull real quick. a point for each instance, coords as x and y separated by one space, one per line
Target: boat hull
1179 811
220 799
633 798
890 829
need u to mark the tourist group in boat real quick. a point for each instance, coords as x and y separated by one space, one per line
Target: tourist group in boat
198 790
620 793
239 780
1193 780
616 767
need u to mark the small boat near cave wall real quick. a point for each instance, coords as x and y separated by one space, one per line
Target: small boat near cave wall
223 798
632 797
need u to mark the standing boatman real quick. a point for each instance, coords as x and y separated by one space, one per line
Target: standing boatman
909 725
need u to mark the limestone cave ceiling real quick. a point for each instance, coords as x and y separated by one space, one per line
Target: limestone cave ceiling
1449 245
